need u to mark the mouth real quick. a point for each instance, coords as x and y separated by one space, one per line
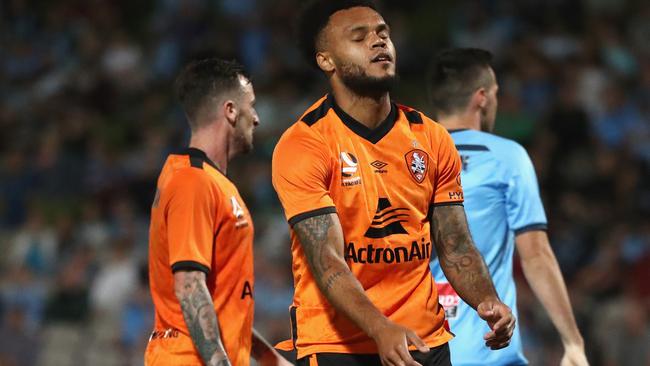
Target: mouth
382 58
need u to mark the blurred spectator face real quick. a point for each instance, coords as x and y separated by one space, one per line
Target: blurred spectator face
357 49
613 97
247 118
489 110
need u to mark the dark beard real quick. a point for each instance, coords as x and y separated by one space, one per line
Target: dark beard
356 79
241 142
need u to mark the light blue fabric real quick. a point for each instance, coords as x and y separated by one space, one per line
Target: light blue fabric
501 200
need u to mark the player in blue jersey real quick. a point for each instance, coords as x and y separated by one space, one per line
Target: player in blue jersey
504 210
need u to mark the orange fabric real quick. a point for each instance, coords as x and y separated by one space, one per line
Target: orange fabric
286 345
313 361
199 221
171 352
382 187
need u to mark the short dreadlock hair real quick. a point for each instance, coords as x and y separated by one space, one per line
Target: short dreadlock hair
314 18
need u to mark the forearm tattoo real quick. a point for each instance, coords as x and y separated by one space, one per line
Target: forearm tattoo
201 319
462 263
313 234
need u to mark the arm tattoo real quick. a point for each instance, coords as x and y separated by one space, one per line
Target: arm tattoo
331 280
201 318
313 235
463 265
321 239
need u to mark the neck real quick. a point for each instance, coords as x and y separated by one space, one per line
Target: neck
368 110
213 140
464 120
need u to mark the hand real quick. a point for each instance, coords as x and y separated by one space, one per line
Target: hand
501 321
574 356
392 342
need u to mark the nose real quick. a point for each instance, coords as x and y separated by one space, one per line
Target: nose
377 41
256 120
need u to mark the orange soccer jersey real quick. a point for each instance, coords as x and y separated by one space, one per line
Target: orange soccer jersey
382 183
199 222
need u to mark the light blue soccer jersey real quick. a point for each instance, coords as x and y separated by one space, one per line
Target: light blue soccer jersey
501 200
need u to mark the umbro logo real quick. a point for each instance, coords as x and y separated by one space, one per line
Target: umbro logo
379 166
387 220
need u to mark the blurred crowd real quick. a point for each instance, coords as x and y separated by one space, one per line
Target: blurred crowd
88 117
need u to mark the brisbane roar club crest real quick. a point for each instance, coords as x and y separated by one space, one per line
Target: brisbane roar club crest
417 163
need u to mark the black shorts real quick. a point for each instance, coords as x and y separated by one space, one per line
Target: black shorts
438 356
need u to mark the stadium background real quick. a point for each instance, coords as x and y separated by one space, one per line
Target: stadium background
87 117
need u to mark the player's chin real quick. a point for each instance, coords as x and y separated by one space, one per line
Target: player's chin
382 69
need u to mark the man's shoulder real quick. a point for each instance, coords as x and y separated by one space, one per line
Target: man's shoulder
501 147
417 117
315 112
307 131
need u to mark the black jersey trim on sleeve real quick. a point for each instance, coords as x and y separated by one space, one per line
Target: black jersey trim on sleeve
457 130
318 113
372 135
472 147
189 266
531 227
317 212
448 204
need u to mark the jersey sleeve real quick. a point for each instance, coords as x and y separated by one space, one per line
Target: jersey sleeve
523 203
448 189
191 217
300 175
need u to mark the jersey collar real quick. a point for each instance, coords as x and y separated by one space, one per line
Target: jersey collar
195 153
457 130
372 135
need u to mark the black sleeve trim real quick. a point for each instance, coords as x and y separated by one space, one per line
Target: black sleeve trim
464 147
317 212
531 227
189 266
448 204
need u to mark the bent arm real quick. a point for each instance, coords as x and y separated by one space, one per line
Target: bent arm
321 238
200 316
462 264
545 278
